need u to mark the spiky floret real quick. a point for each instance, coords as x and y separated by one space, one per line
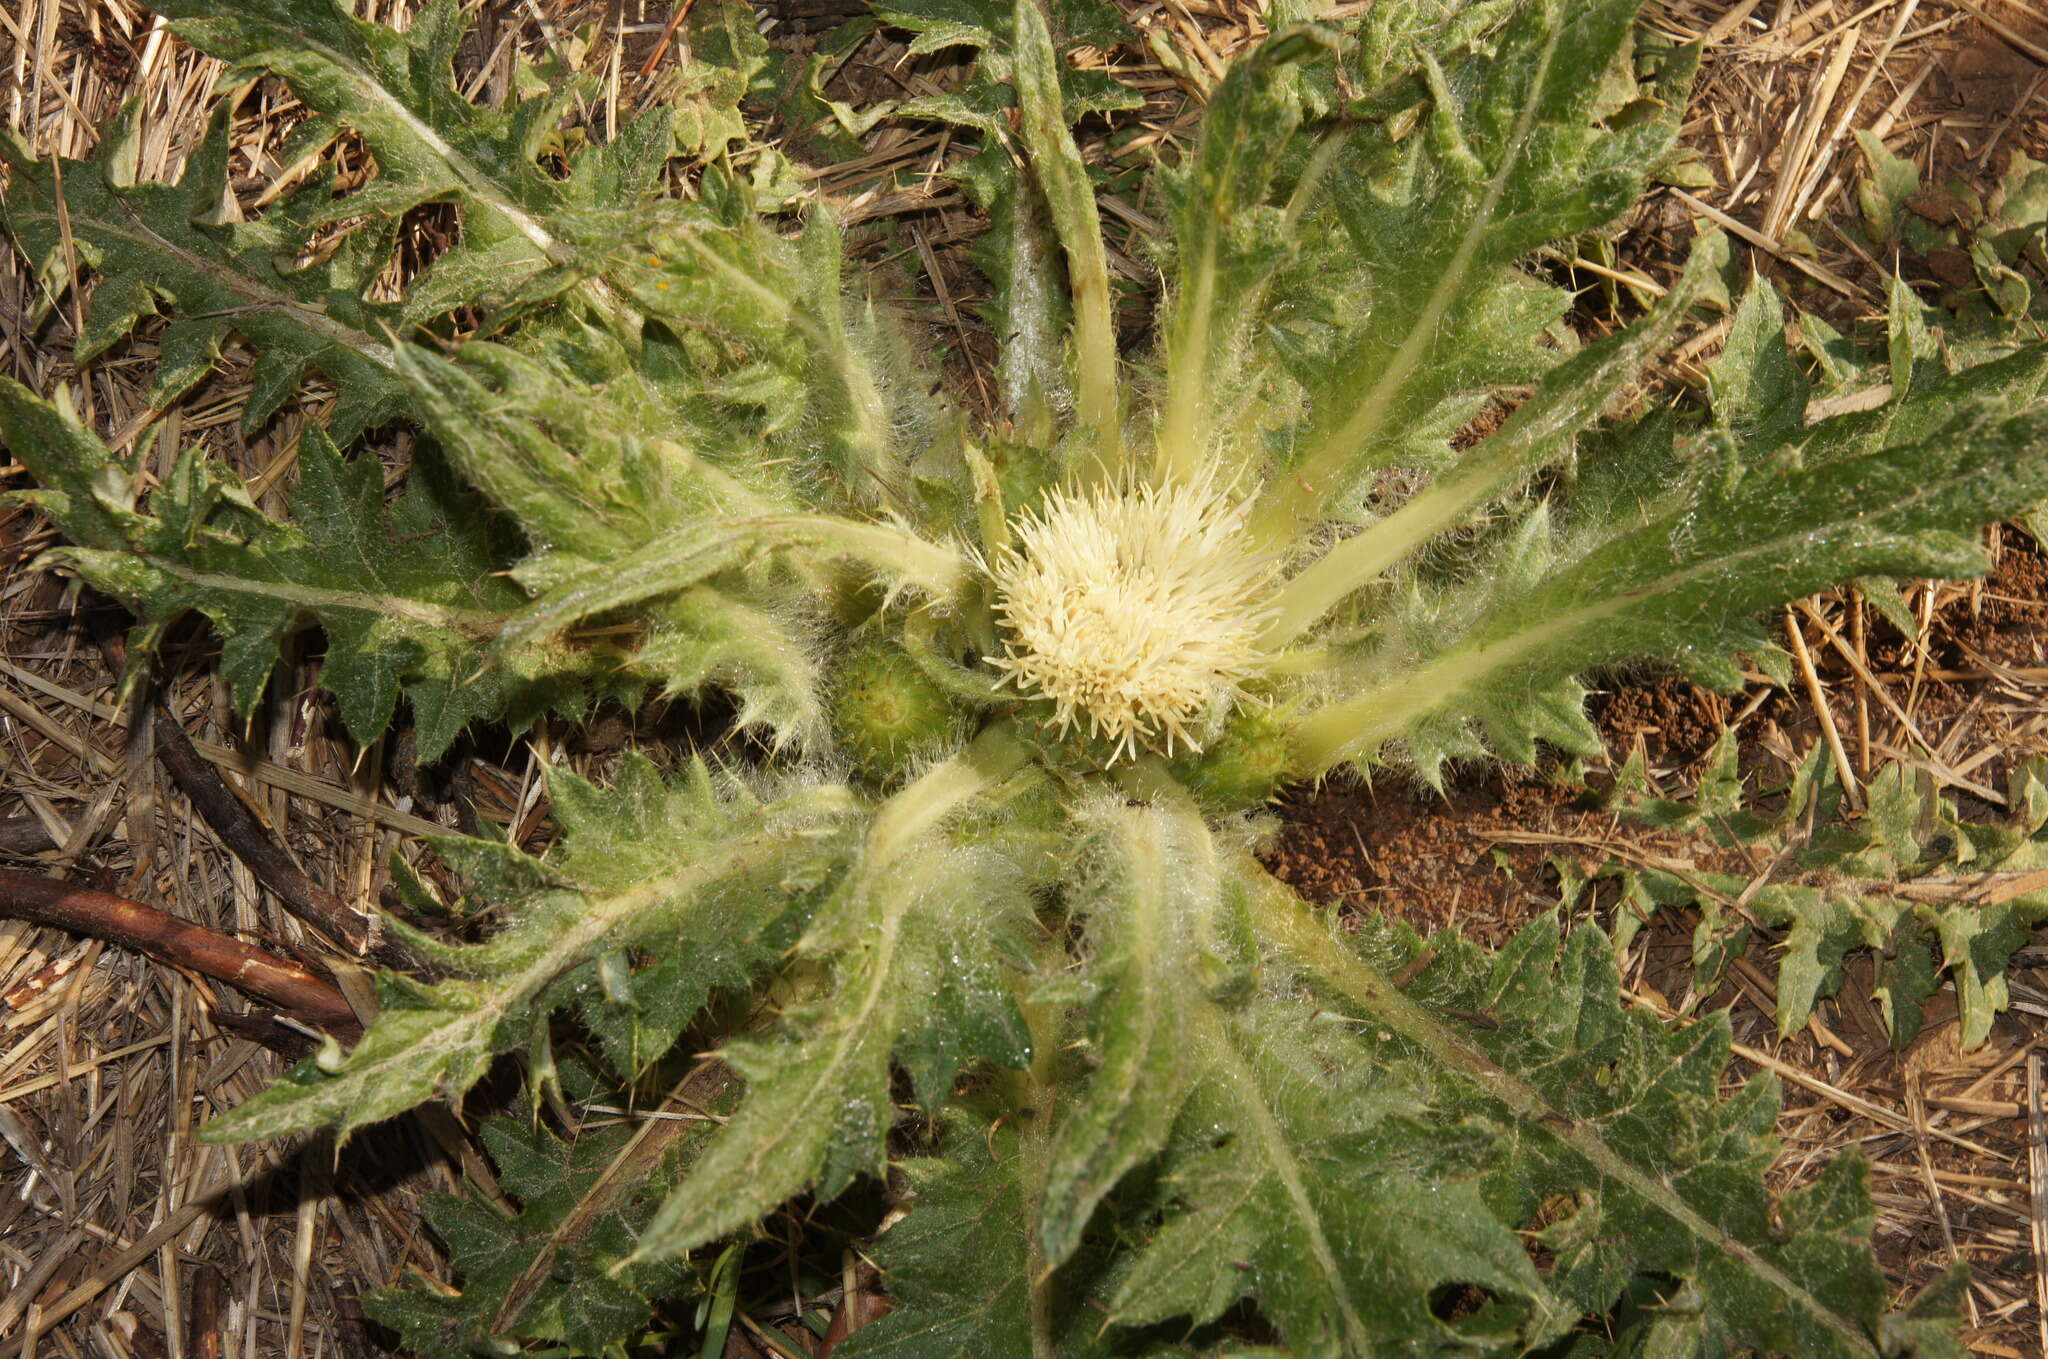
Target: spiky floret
1135 609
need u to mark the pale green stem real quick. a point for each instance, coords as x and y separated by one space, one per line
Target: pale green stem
1036 1092
1184 431
1078 223
1148 780
1543 424
1096 396
733 494
938 570
1361 559
978 687
736 497
469 622
989 510
1361 724
666 566
1307 660
914 812
1035 1144
1188 425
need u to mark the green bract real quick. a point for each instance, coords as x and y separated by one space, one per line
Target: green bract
1025 681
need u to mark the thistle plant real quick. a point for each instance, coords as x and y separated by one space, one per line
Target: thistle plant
983 916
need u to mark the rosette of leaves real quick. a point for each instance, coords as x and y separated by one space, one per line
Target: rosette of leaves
1025 678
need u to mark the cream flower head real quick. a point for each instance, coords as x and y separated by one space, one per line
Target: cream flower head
1134 608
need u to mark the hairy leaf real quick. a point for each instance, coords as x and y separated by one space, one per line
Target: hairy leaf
1328 1200
408 595
1159 901
957 1265
168 245
1349 1160
1623 1158
398 92
916 923
1690 578
960 1267
634 879
1515 148
548 1272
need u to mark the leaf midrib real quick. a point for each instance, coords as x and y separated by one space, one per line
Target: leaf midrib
1346 717
1252 1102
372 91
477 623
1276 520
143 236
1285 922
564 953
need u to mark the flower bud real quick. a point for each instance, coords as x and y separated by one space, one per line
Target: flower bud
887 713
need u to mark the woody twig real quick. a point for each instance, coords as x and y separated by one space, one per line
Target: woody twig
239 830
102 915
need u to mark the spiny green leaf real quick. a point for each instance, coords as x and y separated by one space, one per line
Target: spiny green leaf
578 1298
162 243
1926 891
409 596
1225 235
1310 1182
818 362
991 25
1541 431
398 92
1039 207
636 880
1759 396
1030 310
1884 193
957 1265
1514 153
915 918
635 516
729 61
1689 581
960 1269
1158 899
1622 1141
688 554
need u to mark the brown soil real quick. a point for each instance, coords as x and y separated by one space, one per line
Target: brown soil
1428 858
1438 859
2009 622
